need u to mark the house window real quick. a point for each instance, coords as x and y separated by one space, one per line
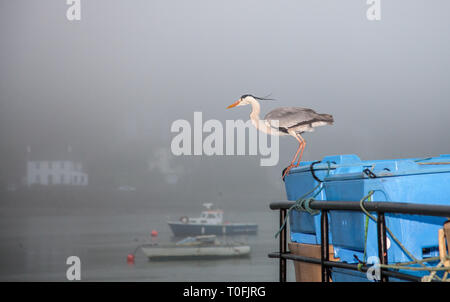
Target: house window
62 179
38 179
75 179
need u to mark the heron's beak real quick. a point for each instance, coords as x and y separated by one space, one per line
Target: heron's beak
234 104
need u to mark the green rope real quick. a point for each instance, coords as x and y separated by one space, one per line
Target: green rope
405 250
302 204
366 227
430 259
423 159
415 268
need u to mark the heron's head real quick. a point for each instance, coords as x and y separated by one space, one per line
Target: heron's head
246 99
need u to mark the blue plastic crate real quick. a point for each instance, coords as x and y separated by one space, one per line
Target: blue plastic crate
305 228
345 275
404 180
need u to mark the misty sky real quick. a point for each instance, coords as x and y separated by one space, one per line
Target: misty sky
117 79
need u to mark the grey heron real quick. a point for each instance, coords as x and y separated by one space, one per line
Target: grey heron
282 121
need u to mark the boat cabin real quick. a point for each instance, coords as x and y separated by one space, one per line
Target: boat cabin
208 217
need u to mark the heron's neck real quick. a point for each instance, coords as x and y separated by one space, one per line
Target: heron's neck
256 109
256 121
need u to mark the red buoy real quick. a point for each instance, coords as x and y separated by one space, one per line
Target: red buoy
130 259
154 233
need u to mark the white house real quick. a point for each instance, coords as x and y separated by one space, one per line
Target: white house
60 172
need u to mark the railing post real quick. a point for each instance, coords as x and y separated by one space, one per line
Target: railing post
324 246
382 247
282 246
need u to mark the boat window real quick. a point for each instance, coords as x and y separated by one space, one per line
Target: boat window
211 216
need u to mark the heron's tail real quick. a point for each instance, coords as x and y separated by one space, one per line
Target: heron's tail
327 118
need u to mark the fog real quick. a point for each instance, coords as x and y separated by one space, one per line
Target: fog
108 87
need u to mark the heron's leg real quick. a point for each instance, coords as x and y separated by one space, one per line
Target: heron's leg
303 145
293 160
296 154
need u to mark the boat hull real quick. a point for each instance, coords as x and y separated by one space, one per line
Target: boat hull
195 252
180 229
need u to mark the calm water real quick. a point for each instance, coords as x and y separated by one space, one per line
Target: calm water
36 239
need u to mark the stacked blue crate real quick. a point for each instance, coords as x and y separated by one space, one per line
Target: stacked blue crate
405 180
304 227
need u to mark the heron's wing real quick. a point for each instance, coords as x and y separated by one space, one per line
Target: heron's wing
293 117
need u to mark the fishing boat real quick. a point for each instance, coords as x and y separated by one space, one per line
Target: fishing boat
198 247
210 222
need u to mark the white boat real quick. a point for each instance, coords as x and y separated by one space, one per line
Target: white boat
199 247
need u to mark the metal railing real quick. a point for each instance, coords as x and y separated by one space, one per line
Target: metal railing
325 206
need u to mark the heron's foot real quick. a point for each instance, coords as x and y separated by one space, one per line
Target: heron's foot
286 170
